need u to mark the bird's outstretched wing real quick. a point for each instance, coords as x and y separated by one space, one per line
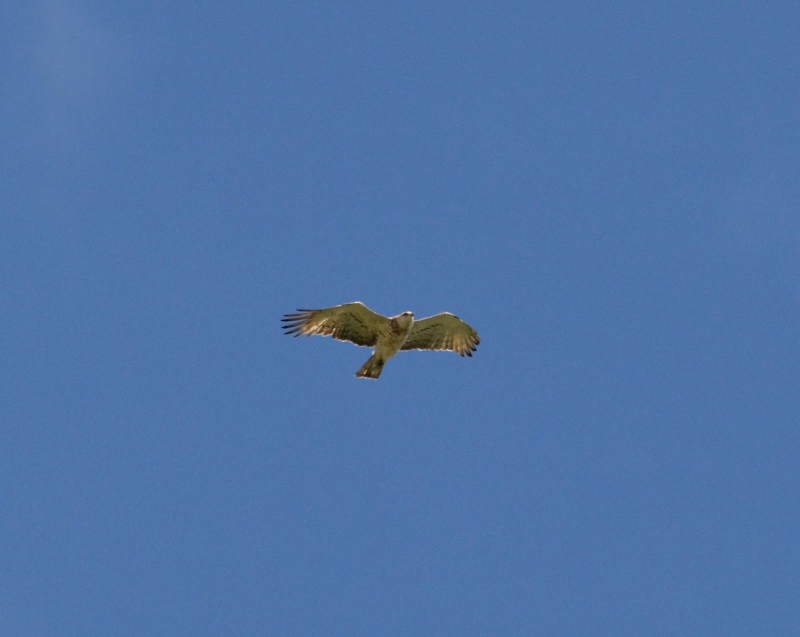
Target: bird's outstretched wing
353 322
443 331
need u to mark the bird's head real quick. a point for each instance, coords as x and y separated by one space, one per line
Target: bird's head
406 319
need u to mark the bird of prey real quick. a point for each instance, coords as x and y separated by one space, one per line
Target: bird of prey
356 323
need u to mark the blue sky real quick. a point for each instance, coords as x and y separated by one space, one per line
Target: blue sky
608 193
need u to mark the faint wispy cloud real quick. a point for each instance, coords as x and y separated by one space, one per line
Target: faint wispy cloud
73 47
76 60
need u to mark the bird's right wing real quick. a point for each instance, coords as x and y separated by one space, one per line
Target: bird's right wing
443 331
353 322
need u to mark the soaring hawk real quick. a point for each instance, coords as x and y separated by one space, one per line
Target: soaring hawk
356 323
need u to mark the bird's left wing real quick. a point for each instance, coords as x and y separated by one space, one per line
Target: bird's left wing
443 331
353 322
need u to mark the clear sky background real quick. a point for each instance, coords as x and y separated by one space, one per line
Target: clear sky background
608 192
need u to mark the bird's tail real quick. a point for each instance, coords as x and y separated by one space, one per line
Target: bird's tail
372 368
